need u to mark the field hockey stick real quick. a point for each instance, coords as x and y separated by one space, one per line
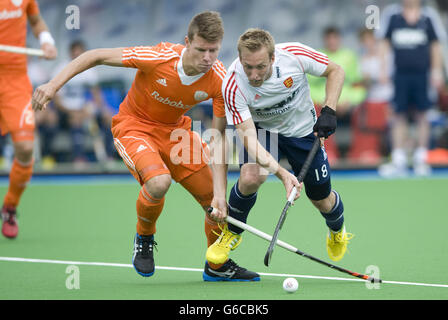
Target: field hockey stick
22 50
289 247
302 174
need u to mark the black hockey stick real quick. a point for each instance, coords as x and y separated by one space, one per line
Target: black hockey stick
302 174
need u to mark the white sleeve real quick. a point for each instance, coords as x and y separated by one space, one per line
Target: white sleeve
311 61
237 110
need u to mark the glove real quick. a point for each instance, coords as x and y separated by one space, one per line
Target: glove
326 123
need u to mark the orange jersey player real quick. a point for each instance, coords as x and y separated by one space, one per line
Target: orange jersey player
152 134
16 115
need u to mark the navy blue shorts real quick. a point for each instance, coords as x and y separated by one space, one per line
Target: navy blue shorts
411 91
317 182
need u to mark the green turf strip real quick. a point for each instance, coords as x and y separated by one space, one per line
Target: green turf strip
399 226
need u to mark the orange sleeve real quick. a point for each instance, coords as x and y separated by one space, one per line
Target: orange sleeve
32 9
145 58
218 105
218 100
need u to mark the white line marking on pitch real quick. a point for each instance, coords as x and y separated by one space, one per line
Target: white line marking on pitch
123 265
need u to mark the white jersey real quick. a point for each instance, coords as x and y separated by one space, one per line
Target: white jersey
282 103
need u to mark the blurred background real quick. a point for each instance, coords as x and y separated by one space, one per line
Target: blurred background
74 133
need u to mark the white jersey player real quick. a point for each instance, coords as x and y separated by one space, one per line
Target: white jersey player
266 89
283 101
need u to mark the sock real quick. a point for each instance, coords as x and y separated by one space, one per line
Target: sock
239 206
19 177
148 210
211 225
335 218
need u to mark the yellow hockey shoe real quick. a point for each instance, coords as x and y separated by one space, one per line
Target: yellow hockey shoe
337 243
218 252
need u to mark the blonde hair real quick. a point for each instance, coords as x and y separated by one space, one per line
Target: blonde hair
254 39
208 25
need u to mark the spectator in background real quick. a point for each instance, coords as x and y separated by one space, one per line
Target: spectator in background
414 34
80 105
352 93
47 122
369 121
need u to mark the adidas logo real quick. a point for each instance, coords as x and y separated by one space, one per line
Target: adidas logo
162 81
141 148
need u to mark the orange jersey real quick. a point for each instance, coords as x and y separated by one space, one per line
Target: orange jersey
161 91
13 20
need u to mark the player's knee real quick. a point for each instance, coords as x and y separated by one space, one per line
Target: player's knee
325 205
158 186
249 182
23 151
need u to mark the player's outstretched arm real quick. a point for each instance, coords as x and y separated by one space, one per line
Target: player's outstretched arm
248 135
219 165
44 93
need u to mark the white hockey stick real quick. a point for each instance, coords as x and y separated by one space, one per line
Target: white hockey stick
22 50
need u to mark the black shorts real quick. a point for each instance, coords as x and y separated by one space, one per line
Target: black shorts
411 92
317 182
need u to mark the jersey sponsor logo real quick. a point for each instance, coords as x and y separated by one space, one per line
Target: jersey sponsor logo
257 96
166 100
288 82
162 82
200 95
278 108
5 14
409 38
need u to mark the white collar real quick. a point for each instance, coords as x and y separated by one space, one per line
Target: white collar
186 79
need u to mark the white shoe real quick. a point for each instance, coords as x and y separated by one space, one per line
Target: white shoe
390 170
422 170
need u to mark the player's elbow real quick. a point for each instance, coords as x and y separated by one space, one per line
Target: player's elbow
95 56
337 72
334 71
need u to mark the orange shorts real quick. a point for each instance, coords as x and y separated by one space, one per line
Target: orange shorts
16 114
151 148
